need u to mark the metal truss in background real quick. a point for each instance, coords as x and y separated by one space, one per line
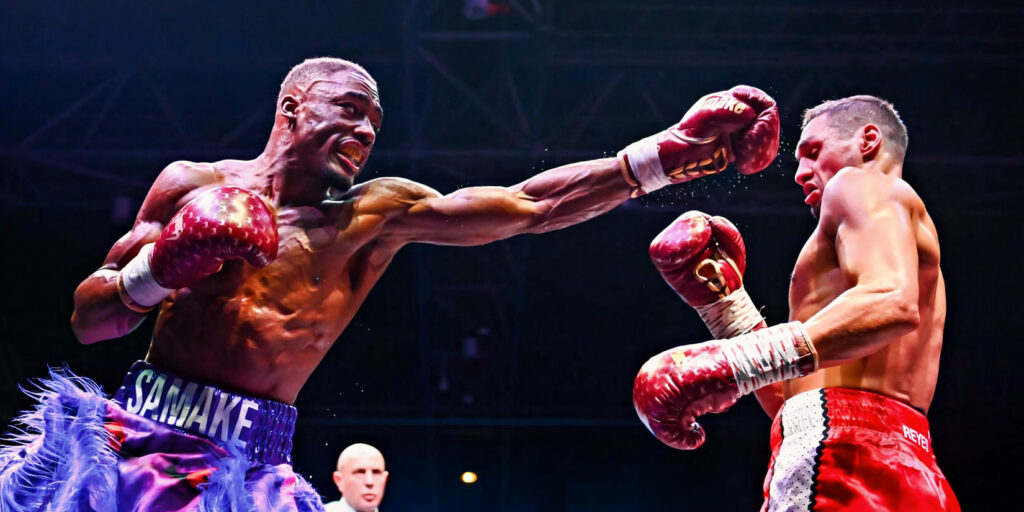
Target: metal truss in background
496 89
490 92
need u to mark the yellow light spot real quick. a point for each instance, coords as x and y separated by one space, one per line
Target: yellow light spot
468 477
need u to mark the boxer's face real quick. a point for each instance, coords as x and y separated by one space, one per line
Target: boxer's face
336 123
361 480
821 153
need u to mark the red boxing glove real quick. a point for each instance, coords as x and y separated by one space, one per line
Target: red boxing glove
676 387
741 125
220 224
703 259
756 146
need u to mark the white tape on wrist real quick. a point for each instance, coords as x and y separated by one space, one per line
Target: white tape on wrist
767 356
138 280
646 165
731 316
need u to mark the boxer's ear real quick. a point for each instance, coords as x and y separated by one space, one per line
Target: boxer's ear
870 142
288 108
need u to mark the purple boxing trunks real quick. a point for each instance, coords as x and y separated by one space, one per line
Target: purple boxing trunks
163 443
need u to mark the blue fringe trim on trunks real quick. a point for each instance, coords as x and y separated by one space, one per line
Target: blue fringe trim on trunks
57 456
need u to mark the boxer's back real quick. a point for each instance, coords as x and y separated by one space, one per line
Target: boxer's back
907 367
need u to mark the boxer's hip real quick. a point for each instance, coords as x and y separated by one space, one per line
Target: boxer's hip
831 410
846 449
261 428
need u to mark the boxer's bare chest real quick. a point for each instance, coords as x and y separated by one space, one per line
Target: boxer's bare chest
263 331
324 266
817 279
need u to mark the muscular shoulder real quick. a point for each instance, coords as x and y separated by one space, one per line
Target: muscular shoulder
854 181
858 194
398 188
389 195
175 182
187 175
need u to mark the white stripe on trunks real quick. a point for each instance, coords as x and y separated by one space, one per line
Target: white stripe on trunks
794 475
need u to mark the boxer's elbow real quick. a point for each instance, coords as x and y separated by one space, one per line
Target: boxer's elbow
523 215
82 330
890 304
540 219
902 311
909 318
88 333
93 321
547 215
83 317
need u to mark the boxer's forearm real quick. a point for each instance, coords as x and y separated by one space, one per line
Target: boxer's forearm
860 322
99 312
550 200
576 192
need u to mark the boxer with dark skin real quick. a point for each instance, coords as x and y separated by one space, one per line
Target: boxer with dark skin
262 331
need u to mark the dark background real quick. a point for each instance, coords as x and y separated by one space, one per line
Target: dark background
516 360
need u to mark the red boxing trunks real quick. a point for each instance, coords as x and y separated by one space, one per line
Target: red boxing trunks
851 450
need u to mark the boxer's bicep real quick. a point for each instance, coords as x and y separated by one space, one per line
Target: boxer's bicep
473 216
551 200
877 257
468 216
874 241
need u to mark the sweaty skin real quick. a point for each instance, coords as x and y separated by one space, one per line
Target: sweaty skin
263 331
867 283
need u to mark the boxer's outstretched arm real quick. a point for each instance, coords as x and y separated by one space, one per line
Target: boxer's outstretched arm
739 125
872 221
99 313
551 200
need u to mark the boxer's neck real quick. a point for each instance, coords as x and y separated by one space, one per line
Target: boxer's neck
279 176
885 163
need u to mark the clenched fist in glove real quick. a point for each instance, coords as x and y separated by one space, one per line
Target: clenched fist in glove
739 125
677 386
703 259
220 224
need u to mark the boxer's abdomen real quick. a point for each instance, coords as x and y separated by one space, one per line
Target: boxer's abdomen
907 368
262 331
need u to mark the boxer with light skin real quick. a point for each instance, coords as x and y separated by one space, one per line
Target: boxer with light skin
855 368
256 268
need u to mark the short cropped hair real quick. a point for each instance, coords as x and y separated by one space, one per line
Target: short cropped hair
311 70
849 114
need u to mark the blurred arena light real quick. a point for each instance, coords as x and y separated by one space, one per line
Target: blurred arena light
480 9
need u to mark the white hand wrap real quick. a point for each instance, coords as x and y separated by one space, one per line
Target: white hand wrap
731 316
642 157
770 355
137 281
